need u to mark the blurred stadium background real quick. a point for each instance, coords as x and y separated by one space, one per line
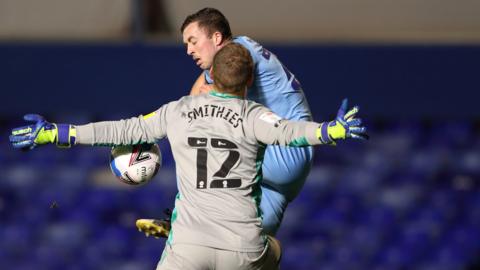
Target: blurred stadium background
407 199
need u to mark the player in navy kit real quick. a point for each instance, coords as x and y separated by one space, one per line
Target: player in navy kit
284 168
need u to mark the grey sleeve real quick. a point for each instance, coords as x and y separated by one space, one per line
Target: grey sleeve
269 128
136 130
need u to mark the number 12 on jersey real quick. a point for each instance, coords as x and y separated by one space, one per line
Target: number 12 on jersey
220 180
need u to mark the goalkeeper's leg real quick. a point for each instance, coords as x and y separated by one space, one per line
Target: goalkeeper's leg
194 257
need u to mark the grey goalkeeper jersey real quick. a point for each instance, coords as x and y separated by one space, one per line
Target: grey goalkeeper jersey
218 143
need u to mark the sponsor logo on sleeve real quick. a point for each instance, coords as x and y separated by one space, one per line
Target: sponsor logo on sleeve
270 118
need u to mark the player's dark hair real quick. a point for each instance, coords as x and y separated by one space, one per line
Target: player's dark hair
232 68
210 19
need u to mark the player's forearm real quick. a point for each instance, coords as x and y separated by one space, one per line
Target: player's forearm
296 133
109 133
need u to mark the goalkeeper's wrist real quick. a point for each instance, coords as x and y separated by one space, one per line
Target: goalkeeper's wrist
330 132
322 134
66 135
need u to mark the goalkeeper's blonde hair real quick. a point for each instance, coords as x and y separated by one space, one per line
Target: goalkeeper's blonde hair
232 68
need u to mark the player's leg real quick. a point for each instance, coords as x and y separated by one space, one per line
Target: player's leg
285 170
268 259
273 206
186 257
154 227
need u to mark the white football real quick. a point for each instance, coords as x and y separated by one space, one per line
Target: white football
135 164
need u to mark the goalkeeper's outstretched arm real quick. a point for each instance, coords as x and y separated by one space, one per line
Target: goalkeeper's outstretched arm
269 128
136 130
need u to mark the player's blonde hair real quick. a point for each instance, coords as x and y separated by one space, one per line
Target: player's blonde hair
232 68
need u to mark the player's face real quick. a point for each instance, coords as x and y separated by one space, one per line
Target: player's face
199 45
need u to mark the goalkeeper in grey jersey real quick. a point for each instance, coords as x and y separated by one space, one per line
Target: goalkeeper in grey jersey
218 140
